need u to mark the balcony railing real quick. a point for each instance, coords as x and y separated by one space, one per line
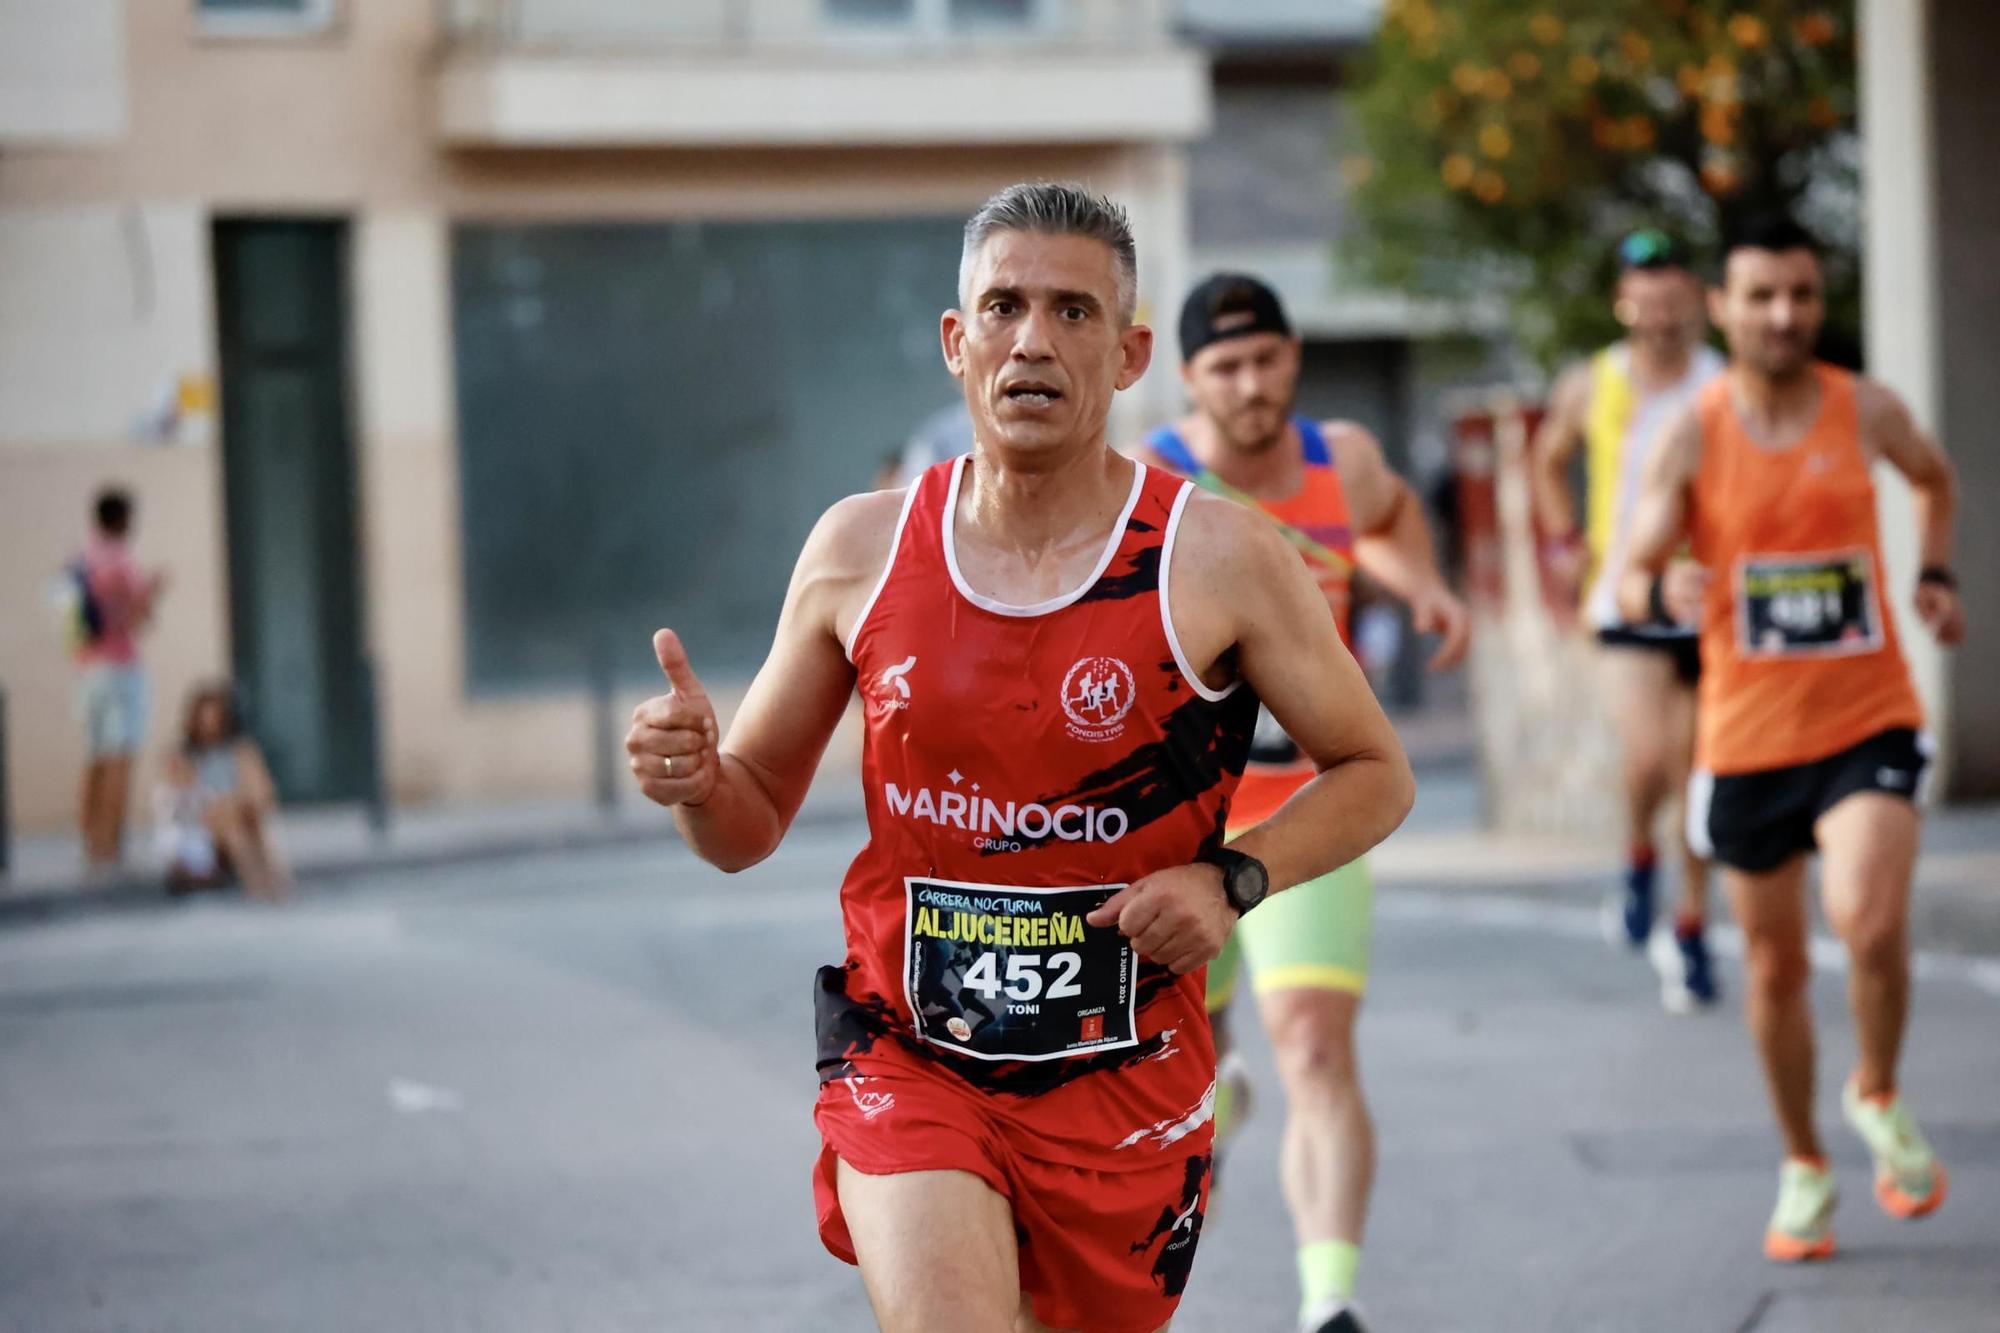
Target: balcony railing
826 27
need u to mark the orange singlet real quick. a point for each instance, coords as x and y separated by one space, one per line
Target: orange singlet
1318 509
1799 659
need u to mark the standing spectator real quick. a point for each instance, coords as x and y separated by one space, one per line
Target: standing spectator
117 601
218 798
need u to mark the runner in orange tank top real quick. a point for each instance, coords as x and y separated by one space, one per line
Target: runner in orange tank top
1327 488
1060 655
1810 728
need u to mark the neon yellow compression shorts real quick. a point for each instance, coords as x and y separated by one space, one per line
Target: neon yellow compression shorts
1314 934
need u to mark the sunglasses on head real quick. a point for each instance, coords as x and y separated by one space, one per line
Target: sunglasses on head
1648 249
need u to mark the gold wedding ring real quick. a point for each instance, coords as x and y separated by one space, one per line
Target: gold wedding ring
670 765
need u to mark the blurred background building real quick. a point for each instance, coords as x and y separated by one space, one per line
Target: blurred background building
451 345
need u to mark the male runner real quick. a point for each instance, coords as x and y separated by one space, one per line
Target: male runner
1061 654
1615 403
1809 724
1326 488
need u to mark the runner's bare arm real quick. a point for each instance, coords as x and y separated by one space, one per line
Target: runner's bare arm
1659 525
1392 541
1555 444
1243 600
734 801
1888 429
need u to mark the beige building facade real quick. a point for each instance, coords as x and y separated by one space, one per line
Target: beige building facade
407 134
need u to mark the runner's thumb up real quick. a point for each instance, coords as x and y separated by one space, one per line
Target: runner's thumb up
674 662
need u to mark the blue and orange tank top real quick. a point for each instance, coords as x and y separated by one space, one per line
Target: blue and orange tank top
1317 511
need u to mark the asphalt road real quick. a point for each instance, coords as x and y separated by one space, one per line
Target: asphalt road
571 1092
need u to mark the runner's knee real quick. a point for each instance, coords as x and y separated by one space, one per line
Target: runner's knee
1777 969
1315 1046
1875 942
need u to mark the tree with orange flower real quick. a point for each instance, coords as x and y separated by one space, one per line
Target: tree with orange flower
1505 145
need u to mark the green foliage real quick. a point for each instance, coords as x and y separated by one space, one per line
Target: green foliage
1505 146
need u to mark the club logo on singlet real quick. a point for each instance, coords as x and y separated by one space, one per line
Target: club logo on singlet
889 689
1096 695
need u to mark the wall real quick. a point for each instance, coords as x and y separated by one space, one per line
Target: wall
62 71
342 125
1965 44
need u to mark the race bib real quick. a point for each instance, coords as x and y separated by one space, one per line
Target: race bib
1004 973
1807 605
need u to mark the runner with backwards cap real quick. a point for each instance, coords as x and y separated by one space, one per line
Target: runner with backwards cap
1326 488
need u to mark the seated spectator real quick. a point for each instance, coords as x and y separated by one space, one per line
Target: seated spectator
217 802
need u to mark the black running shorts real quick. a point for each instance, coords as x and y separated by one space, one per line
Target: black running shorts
1756 822
1684 649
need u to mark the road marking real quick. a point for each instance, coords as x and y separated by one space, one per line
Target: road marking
414 1098
1581 922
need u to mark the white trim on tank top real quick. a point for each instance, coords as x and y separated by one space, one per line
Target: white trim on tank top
1166 608
986 603
888 567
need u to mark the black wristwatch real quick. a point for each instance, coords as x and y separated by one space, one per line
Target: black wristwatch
1939 575
1244 879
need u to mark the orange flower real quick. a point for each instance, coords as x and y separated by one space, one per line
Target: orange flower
1457 171
1689 79
1748 31
1495 141
1720 176
1636 48
1816 28
1583 69
1606 132
1468 78
1357 169
1718 126
1638 132
1490 187
1546 27
1498 86
1526 66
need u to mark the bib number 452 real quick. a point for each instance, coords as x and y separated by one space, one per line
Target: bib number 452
1024 976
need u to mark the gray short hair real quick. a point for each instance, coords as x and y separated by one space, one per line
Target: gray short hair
1055 208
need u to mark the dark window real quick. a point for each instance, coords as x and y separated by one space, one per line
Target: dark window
651 417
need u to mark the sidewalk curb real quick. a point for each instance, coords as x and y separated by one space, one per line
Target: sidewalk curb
138 893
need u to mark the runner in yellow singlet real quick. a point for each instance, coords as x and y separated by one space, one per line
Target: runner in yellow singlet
1332 495
1613 406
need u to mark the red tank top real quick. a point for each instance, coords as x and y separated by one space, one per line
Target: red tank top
1020 763
1318 510
1798 650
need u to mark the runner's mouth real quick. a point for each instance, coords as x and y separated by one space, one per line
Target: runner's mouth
1032 393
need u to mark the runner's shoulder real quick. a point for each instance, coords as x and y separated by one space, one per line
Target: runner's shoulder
1877 406
1572 386
1223 546
1351 443
853 537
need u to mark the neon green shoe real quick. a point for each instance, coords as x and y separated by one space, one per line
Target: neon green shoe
1909 1183
1802 1224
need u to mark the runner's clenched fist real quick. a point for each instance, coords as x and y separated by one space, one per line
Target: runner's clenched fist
672 740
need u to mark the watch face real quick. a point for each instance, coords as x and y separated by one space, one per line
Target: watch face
1248 883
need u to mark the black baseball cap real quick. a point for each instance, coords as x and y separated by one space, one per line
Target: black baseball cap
1651 248
1229 305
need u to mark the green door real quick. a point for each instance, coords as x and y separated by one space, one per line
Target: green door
288 467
